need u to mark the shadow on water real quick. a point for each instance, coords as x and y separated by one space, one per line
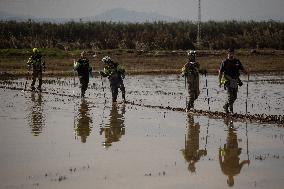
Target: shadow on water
83 121
192 151
115 128
229 159
36 117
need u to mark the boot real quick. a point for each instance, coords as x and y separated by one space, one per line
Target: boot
123 97
39 84
226 108
39 88
231 108
82 93
189 106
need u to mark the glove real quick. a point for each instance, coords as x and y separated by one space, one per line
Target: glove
102 74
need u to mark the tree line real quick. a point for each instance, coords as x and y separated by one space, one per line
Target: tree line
142 36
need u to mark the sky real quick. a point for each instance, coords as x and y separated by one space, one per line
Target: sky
180 9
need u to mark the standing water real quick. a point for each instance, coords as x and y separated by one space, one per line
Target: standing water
57 140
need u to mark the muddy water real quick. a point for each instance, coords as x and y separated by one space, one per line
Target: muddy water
56 141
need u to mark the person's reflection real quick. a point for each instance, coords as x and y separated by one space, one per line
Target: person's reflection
192 153
115 128
36 117
84 120
229 156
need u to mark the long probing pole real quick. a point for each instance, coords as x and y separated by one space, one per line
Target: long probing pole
246 114
247 95
74 83
185 89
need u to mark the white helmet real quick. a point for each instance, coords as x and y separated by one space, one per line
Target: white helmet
106 59
191 53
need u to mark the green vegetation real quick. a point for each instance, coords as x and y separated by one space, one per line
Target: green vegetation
142 48
141 36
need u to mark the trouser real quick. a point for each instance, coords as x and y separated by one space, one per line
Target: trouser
36 74
84 81
231 97
193 91
114 86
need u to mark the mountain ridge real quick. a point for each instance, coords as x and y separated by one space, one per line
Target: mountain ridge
112 15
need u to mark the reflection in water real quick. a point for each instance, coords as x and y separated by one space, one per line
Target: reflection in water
84 120
115 128
229 156
36 116
192 153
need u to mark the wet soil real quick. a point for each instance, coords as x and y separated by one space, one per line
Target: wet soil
55 139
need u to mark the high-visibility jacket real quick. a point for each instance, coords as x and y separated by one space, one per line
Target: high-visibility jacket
82 66
35 61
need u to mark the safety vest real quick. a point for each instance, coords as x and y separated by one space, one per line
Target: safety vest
113 69
82 67
36 62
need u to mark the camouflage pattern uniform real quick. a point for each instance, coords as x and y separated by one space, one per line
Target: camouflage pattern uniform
191 74
83 68
36 63
115 74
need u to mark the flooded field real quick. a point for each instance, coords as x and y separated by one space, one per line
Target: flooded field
54 139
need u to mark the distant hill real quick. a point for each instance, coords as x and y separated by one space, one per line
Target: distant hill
8 16
17 17
113 15
124 15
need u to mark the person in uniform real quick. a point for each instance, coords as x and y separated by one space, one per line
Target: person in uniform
37 65
190 71
82 66
229 73
115 74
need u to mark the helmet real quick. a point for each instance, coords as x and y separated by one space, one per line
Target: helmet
231 50
106 59
191 53
35 50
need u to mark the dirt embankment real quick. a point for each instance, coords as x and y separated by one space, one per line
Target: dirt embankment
59 63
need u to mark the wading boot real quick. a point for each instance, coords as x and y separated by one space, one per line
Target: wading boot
226 108
82 93
113 100
231 108
189 106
